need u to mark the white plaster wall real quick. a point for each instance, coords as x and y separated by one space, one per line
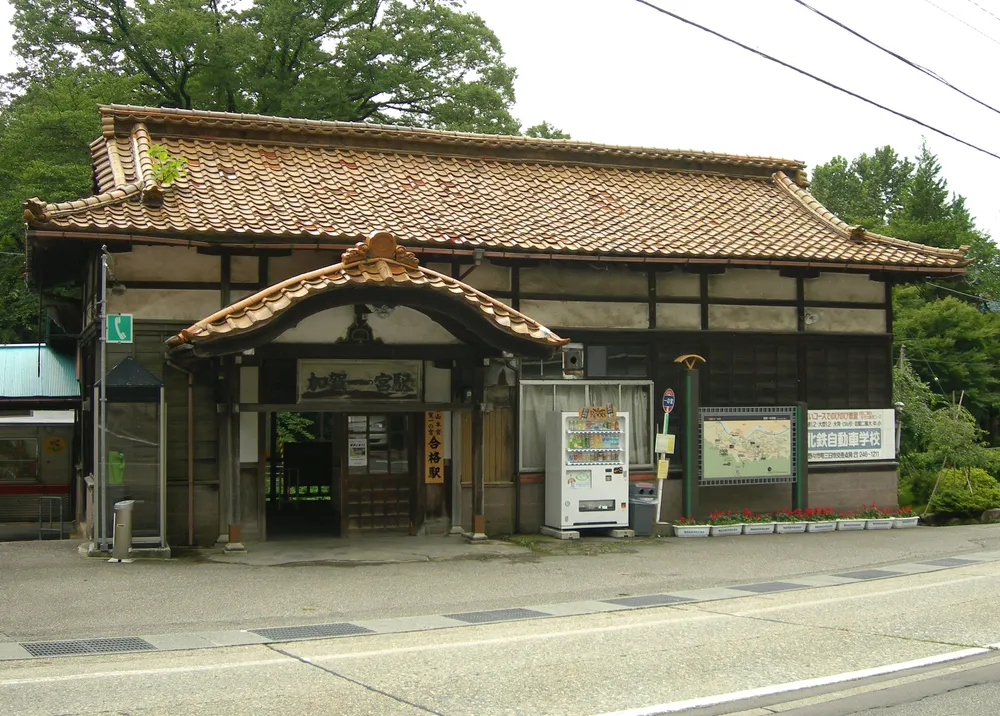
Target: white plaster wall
753 318
486 276
248 421
751 283
150 304
597 280
166 263
437 383
243 269
587 314
844 287
402 326
281 267
405 325
678 284
846 320
678 315
323 327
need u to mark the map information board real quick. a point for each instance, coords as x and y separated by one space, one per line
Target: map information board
744 447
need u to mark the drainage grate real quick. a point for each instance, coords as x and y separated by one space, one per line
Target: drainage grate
869 574
496 615
765 587
950 562
314 631
87 646
648 600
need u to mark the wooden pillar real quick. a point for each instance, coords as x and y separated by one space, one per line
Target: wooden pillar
478 475
234 542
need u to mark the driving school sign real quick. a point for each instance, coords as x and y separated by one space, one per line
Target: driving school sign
852 435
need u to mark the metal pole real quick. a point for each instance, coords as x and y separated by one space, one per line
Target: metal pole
102 471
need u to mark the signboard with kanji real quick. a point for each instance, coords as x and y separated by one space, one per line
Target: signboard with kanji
434 447
852 435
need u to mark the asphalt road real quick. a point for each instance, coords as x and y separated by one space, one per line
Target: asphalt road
640 662
47 591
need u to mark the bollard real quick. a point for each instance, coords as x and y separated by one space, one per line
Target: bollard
122 536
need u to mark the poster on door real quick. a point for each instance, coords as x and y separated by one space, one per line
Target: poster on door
357 451
434 447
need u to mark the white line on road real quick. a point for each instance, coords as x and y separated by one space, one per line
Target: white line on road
704 701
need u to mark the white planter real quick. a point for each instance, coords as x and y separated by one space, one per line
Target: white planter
758 528
727 530
850 525
789 528
884 523
902 523
827 526
691 530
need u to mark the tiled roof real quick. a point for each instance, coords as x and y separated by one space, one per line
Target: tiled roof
32 371
265 181
378 261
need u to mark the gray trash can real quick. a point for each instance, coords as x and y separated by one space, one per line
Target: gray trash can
122 536
642 508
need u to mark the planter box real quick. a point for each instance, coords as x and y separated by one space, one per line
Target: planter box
850 525
727 530
691 530
789 528
758 528
826 526
902 523
884 523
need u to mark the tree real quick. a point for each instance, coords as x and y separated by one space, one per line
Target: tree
413 62
867 191
545 131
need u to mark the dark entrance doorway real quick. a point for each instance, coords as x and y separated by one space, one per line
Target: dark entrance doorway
340 474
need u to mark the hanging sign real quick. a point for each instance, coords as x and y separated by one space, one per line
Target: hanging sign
669 400
598 412
662 468
357 451
851 435
434 447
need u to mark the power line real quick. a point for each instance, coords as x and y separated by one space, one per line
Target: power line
956 17
988 12
817 79
930 73
960 293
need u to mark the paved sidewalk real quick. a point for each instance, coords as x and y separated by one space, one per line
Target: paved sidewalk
49 592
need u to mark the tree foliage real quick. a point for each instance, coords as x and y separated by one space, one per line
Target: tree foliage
418 62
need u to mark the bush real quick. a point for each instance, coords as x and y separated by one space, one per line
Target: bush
953 494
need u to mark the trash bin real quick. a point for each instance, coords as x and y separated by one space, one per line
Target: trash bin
642 508
122 536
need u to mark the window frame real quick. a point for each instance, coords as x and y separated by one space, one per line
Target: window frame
521 468
37 456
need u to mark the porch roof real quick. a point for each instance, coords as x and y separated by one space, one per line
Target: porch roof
377 263
258 182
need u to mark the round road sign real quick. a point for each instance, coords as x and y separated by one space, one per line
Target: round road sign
668 400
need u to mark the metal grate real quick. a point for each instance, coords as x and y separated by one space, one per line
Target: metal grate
950 562
87 646
314 631
765 587
869 574
648 600
496 615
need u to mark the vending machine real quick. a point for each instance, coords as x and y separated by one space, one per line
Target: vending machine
586 470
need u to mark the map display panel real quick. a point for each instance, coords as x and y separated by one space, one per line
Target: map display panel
743 446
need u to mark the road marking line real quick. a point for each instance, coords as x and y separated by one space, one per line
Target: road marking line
704 701
149 672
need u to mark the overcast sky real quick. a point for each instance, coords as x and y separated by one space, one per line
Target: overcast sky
617 72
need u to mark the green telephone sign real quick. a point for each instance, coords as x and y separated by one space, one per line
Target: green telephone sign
119 328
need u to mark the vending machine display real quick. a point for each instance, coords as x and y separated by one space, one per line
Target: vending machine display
586 473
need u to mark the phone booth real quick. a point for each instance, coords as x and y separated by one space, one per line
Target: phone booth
135 432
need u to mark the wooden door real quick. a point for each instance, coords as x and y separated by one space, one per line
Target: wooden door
379 473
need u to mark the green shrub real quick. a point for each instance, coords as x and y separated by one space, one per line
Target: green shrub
953 494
